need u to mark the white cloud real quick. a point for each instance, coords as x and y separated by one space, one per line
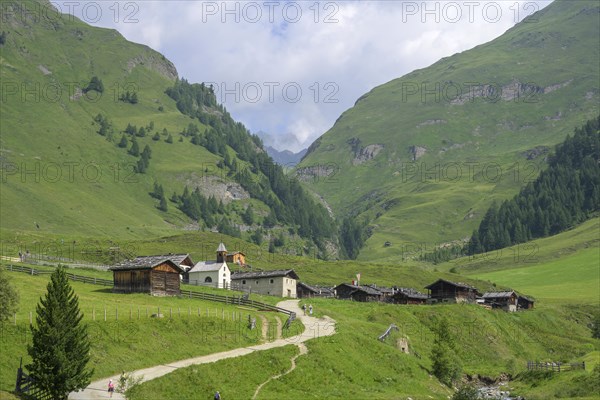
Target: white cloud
371 43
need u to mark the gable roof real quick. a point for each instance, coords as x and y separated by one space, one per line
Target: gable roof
146 262
368 290
315 288
347 284
411 293
457 284
179 258
236 252
498 295
208 266
265 274
381 289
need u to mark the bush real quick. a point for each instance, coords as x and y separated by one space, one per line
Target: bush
466 392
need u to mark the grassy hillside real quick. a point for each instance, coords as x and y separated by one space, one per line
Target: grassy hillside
189 328
354 364
560 268
62 174
423 156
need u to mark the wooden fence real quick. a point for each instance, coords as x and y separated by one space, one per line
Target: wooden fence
554 366
25 386
234 299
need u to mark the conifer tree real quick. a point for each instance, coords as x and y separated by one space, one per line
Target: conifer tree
60 349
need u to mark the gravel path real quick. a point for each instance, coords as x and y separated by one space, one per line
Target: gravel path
314 328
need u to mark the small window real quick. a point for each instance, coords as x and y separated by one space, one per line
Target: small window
208 279
271 280
243 281
256 282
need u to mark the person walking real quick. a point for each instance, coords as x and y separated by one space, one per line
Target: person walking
217 396
310 309
304 308
111 387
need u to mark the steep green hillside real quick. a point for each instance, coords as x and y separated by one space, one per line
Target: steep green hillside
560 268
422 157
66 149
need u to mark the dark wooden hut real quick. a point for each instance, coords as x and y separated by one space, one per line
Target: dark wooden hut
506 300
304 290
408 296
524 303
157 275
451 292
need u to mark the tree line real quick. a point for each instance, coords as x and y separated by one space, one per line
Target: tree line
564 195
263 179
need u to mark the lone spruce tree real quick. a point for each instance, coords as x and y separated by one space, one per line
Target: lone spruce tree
61 348
446 364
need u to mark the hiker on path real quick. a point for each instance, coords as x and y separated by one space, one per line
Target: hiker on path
111 387
310 309
304 308
217 396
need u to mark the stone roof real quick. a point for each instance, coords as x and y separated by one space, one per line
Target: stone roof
145 262
498 295
368 290
264 274
315 288
412 293
457 284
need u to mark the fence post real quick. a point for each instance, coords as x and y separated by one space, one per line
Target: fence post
171 313
93 313
130 313
104 314
30 318
138 313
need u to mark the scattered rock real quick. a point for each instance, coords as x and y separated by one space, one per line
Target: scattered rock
537 151
314 173
154 62
552 88
44 70
367 153
432 122
417 152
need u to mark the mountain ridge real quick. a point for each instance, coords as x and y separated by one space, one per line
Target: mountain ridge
421 157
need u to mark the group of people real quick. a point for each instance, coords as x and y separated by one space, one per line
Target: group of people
310 308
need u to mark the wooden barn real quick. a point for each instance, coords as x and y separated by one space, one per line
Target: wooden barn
366 293
506 300
408 296
157 275
524 303
444 291
304 290
344 290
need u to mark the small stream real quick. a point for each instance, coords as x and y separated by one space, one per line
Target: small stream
496 392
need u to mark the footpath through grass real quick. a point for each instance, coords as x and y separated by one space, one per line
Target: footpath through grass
354 364
130 338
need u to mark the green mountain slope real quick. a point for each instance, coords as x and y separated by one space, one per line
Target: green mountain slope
63 173
422 157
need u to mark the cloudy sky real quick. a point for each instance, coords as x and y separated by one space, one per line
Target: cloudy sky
290 68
